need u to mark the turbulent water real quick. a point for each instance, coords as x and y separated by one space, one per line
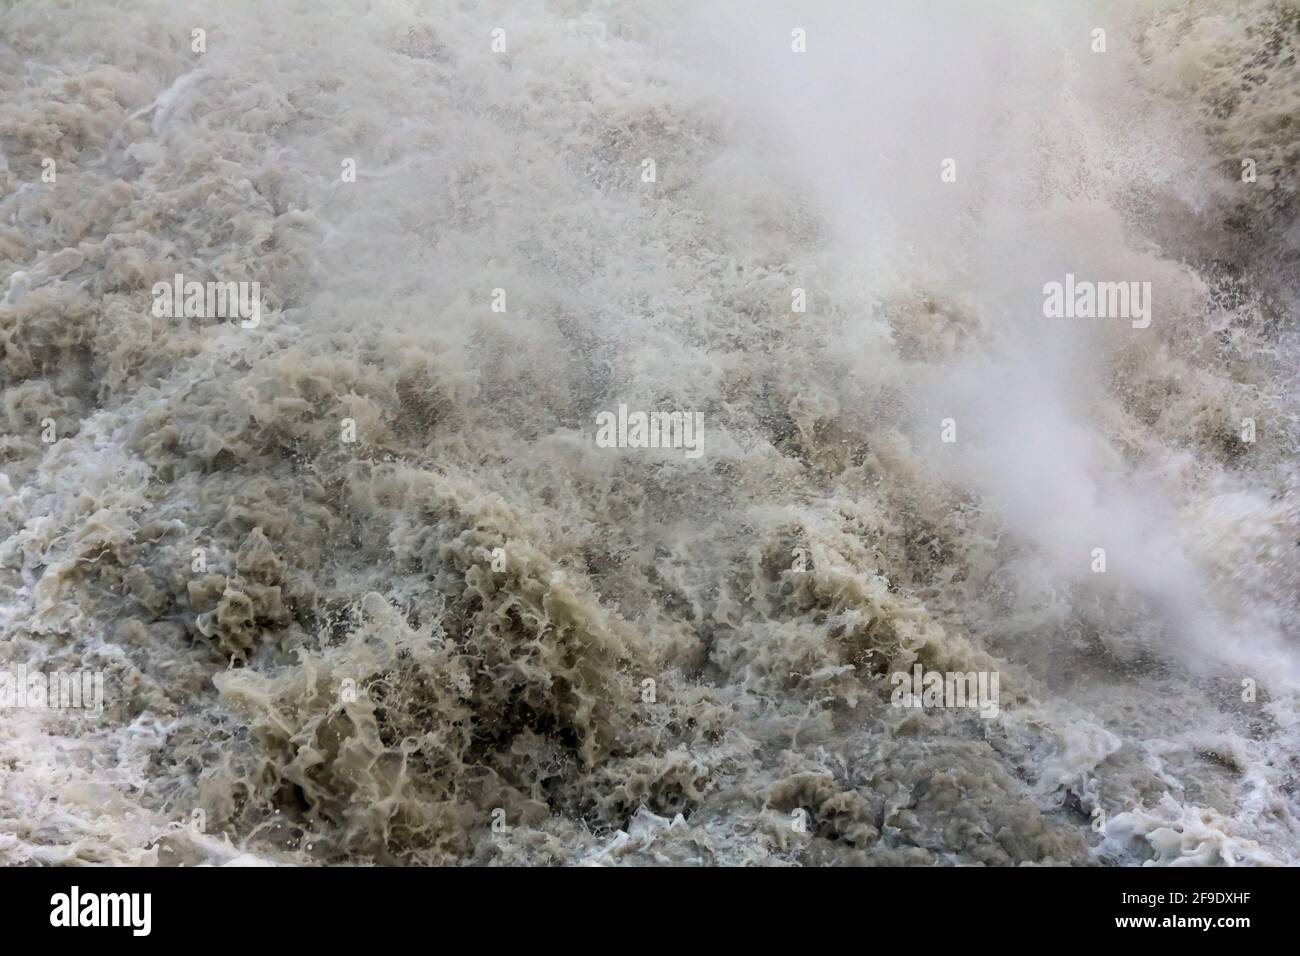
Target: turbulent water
364 585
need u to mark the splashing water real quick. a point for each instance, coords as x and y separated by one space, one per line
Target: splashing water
365 587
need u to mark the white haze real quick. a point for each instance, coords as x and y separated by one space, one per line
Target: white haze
1048 139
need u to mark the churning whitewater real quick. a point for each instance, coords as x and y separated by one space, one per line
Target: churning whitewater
594 432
